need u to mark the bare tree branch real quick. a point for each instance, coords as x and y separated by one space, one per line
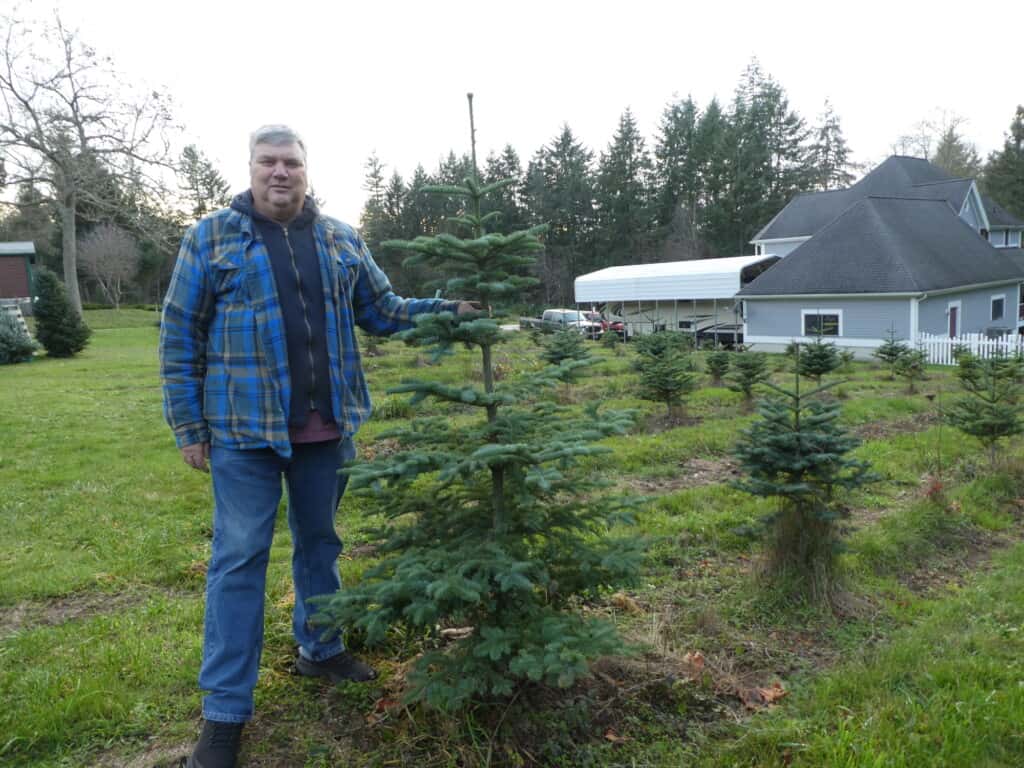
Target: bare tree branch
71 125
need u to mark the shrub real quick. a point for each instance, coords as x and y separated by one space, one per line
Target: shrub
58 327
15 345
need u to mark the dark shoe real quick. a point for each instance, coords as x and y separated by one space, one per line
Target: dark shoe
217 746
337 669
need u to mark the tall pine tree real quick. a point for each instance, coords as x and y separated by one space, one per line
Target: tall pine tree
828 157
1004 172
623 194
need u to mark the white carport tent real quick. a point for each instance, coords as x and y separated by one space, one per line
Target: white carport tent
672 281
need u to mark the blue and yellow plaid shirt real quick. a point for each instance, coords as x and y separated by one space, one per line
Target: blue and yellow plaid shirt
223 355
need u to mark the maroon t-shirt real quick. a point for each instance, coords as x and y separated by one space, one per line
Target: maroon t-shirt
315 430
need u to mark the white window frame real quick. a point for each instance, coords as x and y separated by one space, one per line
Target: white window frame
805 312
992 306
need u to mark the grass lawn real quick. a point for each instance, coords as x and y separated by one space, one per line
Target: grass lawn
106 534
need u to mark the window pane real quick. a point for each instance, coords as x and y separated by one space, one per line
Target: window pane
823 325
997 309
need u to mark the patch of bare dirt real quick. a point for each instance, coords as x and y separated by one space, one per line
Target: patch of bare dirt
951 569
662 422
156 754
47 613
879 430
692 474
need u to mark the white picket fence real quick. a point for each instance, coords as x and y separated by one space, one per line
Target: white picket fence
940 348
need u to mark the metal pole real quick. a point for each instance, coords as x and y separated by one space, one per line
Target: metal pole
714 327
693 321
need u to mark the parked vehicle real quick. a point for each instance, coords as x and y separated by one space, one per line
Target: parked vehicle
614 324
555 319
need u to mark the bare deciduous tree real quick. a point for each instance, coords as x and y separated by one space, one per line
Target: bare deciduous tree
69 123
110 256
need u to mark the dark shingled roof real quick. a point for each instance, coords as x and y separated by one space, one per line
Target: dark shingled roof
888 245
898 176
1015 255
999 217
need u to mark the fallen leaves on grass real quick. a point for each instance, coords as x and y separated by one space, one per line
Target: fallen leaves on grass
624 602
694 662
613 737
758 698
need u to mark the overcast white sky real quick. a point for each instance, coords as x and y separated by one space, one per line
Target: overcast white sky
391 77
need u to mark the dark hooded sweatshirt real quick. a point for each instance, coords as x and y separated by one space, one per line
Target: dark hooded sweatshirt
296 268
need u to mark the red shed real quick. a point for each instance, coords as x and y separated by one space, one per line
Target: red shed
16 270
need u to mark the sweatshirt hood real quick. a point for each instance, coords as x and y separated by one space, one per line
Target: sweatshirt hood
243 203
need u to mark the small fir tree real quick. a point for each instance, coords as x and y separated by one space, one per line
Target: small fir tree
749 369
717 364
659 344
846 358
817 359
16 346
990 409
564 344
567 345
611 340
890 351
910 366
58 327
667 378
797 454
487 527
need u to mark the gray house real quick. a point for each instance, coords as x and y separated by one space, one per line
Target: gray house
906 248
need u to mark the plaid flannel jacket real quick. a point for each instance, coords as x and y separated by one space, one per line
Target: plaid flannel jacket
223 354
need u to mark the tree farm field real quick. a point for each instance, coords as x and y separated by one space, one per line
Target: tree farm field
919 663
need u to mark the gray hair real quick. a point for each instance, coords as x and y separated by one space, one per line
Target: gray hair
275 135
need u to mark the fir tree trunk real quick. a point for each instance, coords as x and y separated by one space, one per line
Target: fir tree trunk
497 473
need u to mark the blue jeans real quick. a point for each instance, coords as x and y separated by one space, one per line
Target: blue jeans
246 492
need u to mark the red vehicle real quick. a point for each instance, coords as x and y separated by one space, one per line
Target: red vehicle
606 325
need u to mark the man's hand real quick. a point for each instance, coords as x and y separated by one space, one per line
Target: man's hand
195 456
466 307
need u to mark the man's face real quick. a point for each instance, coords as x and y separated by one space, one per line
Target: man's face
277 175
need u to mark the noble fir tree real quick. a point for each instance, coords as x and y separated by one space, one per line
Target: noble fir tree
797 454
890 351
817 359
487 530
566 346
717 364
990 409
910 366
667 378
749 369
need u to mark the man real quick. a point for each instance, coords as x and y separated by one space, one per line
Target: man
262 380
